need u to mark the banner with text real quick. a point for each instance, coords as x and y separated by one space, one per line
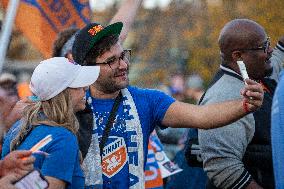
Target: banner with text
41 20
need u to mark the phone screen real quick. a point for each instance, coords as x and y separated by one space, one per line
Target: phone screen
33 180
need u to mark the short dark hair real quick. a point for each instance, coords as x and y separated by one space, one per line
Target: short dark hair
61 39
238 34
101 47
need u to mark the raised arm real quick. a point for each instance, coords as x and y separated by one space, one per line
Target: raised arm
126 14
216 115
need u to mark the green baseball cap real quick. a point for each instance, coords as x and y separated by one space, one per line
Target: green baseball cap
88 36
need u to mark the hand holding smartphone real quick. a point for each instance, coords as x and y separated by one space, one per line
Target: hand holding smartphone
34 179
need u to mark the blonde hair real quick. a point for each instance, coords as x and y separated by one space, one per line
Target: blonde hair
57 112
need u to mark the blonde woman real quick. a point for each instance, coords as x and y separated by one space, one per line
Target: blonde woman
59 86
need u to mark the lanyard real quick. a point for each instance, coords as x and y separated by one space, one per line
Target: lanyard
110 122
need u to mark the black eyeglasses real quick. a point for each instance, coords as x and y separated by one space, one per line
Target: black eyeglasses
114 62
265 47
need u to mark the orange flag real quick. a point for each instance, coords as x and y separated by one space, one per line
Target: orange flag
41 20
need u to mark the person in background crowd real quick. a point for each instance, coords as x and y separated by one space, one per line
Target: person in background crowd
277 132
239 155
8 99
177 87
172 140
125 143
17 163
194 88
11 107
190 92
62 46
6 105
8 94
59 86
196 178
171 137
8 82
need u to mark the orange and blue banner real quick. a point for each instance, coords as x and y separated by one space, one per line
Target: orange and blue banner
153 176
41 20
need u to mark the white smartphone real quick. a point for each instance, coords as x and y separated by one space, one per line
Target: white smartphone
33 180
243 70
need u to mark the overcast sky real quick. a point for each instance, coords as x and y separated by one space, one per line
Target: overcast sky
102 4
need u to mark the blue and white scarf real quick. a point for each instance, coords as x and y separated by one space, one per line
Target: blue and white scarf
92 163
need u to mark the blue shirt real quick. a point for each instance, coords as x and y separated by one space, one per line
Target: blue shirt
151 106
277 134
63 160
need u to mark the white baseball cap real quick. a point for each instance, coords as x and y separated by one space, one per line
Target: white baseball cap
54 75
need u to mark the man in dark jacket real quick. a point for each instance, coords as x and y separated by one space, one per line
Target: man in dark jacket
239 155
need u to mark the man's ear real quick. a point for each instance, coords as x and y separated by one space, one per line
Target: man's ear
236 55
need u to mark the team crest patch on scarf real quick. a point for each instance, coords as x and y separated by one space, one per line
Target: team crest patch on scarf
114 156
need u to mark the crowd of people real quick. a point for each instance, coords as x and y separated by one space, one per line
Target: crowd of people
103 129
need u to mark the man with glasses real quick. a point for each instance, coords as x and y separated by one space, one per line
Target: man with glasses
239 155
114 62
122 117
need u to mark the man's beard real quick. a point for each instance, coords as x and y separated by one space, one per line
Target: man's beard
111 87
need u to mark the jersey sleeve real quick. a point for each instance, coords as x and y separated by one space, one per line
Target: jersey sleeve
63 154
159 104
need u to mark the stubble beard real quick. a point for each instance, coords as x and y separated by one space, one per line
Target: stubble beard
112 87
